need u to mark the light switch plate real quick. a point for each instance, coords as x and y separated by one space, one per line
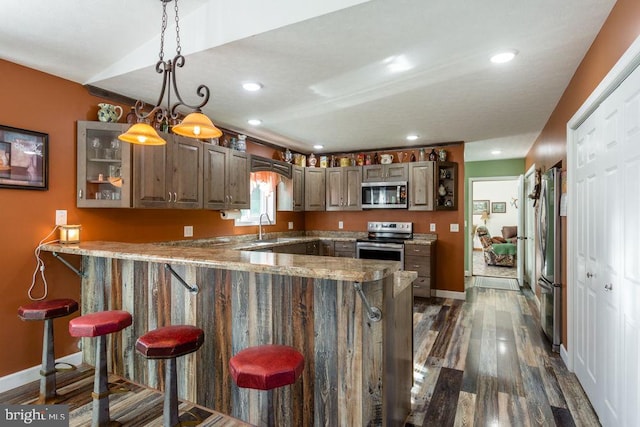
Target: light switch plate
432 227
290 225
454 228
340 225
188 231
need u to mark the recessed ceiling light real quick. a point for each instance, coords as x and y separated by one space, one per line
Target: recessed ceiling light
318 147
412 137
251 86
398 63
502 57
254 122
496 152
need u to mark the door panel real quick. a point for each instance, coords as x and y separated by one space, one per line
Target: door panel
607 244
187 173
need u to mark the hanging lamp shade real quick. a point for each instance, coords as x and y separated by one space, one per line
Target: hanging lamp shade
197 125
142 134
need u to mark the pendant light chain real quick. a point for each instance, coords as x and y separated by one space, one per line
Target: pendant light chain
178 47
162 29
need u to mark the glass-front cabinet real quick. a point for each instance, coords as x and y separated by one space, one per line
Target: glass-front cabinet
104 166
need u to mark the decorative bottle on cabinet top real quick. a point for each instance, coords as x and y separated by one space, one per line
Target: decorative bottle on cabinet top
432 155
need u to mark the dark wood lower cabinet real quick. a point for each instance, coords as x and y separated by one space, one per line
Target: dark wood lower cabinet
421 258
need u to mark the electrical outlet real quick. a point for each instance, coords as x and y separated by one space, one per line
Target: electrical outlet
340 225
61 217
290 225
454 228
432 227
188 231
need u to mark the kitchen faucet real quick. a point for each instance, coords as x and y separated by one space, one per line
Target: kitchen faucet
260 235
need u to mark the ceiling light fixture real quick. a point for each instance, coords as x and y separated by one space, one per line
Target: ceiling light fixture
254 122
496 152
412 137
502 57
318 147
251 86
194 125
398 63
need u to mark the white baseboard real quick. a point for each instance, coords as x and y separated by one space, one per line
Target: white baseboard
28 375
448 294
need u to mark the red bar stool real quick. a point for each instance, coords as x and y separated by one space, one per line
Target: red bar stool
99 325
265 367
47 311
169 342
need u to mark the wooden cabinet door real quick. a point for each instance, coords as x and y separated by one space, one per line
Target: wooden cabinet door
352 189
298 188
314 184
215 177
421 187
396 172
373 173
392 172
334 181
326 248
151 189
186 173
344 188
238 189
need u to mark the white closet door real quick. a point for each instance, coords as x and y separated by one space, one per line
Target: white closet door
609 238
628 280
607 269
586 362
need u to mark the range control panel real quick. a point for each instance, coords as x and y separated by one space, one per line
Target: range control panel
390 227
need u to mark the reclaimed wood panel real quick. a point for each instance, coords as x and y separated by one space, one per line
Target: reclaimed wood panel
303 338
326 357
345 360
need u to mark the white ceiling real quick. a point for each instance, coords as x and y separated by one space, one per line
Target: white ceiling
323 63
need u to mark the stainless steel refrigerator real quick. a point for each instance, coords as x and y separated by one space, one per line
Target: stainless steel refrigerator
549 249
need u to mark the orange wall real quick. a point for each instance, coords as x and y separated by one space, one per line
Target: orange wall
621 28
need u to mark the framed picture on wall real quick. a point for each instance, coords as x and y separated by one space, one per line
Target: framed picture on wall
24 159
480 206
499 207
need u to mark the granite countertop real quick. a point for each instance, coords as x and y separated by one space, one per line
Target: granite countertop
229 255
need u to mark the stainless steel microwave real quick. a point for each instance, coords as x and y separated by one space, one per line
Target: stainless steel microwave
384 195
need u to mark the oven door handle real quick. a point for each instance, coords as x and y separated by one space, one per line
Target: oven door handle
373 245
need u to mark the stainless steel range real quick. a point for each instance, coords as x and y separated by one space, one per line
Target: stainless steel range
385 241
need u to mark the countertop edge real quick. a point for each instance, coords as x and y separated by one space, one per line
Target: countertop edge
332 268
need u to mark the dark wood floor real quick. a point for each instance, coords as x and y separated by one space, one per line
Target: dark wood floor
485 362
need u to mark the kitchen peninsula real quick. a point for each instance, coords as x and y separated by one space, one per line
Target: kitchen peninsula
358 371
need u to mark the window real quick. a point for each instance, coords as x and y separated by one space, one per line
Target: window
263 199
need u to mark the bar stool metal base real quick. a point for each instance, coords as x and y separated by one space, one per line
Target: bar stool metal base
47 311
